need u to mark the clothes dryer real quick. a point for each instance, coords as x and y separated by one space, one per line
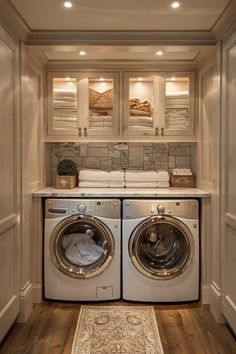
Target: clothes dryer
160 250
82 241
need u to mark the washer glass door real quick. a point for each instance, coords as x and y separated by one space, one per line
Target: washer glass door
81 246
161 247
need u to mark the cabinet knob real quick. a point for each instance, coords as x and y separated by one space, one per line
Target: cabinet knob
156 131
79 132
162 131
85 132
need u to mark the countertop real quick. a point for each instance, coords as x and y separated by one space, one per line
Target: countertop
122 192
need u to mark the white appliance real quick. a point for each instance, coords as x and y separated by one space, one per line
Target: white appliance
160 250
82 249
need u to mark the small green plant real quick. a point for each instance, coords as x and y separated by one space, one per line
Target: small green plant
66 168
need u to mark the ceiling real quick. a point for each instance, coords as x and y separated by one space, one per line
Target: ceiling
122 15
122 30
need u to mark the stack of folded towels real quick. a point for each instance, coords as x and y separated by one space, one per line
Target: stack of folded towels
101 179
150 179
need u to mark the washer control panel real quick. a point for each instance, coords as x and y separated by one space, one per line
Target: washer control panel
81 208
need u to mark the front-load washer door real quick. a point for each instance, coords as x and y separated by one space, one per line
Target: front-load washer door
81 246
161 247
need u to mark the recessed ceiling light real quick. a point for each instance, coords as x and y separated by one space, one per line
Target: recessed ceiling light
173 78
101 79
140 79
160 52
67 4
175 5
82 52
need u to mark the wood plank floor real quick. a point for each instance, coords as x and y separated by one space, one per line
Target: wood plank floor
184 329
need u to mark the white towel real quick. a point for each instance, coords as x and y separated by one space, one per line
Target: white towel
142 176
117 176
163 184
117 184
93 175
139 184
94 184
163 176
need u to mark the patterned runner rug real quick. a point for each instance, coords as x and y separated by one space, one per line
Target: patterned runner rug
117 330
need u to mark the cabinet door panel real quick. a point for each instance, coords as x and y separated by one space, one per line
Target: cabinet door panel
64 104
179 108
100 104
141 103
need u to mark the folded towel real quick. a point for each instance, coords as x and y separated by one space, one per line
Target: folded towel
142 176
139 184
117 176
93 175
162 184
116 184
163 176
94 184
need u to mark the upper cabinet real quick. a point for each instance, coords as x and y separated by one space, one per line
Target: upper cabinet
159 104
102 105
82 104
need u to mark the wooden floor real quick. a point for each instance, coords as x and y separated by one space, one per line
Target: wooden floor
184 329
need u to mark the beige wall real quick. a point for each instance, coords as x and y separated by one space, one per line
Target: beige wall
208 179
32 170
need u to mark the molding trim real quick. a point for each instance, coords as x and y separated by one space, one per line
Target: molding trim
120 37
216 302
26 302
225 23
37 292
205 294
13 21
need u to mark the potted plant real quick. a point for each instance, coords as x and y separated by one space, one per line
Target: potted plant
66 174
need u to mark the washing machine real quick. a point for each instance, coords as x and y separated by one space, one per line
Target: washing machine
160 250
82 242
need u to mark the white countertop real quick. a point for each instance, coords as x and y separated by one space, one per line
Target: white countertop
122 192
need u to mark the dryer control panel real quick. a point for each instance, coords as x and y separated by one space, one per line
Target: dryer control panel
186 209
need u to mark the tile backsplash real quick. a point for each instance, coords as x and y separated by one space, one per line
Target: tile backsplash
115 156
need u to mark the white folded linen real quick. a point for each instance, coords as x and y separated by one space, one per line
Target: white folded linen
117 176
117 184
163 176
93 175
162 184
142 176
139 184
94 184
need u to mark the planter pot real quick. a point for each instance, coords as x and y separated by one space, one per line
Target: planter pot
66 182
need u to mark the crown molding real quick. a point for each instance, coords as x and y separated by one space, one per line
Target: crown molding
120 38
12 21
225 23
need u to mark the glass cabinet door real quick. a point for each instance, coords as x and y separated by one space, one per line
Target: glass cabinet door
141 103
100 104
179 110
64 106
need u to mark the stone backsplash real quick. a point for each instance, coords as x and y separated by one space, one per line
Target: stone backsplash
115 156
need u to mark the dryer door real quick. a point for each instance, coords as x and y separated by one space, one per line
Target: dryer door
161 247
81 246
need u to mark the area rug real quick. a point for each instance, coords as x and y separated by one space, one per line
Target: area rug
117 329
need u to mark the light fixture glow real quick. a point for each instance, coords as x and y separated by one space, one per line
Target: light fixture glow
160 52
67 79
82 52
67 4
101 79
140 79
173 78
175 5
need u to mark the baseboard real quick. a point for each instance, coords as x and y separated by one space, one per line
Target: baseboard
37 293
216 303
205 294
26 302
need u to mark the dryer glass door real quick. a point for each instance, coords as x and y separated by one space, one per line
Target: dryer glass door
81 246
161 247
